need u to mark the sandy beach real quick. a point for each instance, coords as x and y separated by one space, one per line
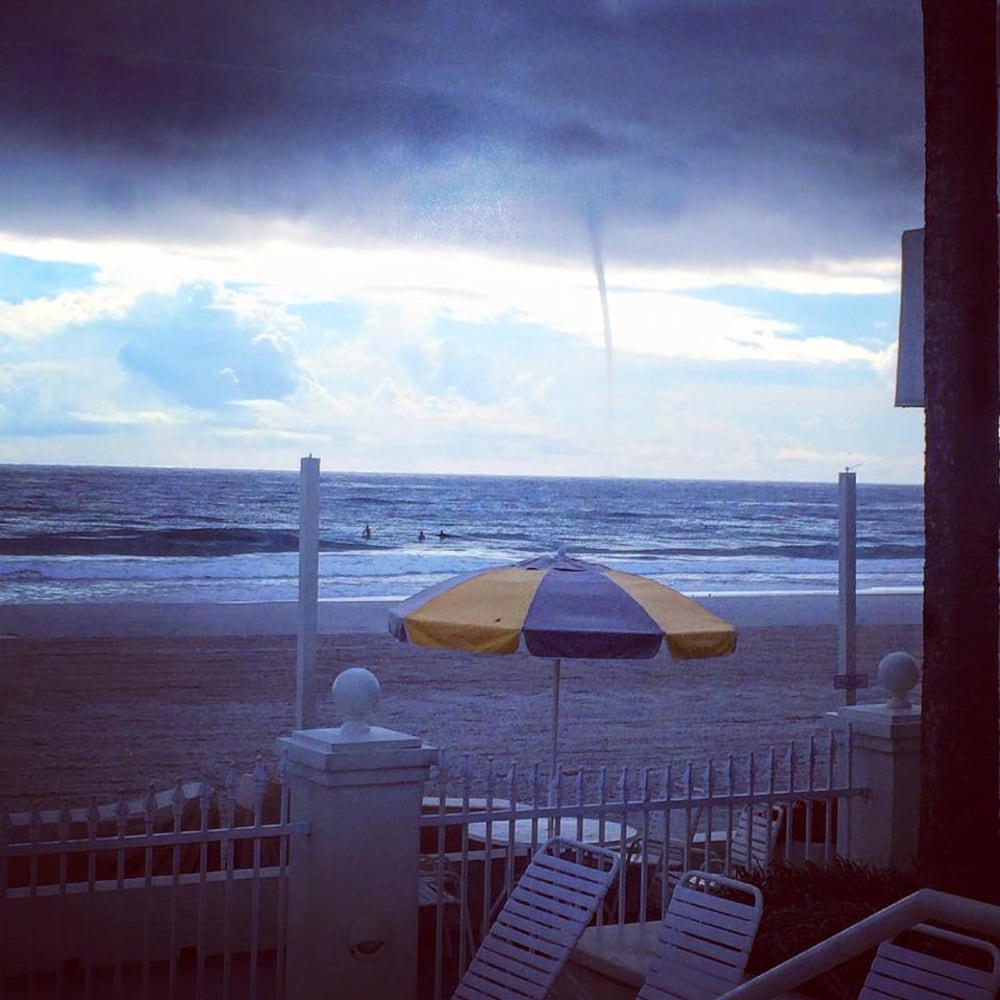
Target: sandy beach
99 699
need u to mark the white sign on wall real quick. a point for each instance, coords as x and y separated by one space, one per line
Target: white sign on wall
910 356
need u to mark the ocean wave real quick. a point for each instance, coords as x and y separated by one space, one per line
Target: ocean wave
21 576
165 543
230 541
719 549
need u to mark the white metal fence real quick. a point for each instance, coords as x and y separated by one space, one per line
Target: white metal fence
179 893
484 819
183 893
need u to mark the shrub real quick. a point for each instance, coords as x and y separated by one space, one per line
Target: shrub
804 904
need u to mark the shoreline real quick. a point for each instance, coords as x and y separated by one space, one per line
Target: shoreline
368 616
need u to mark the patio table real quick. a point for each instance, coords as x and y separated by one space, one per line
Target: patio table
528 832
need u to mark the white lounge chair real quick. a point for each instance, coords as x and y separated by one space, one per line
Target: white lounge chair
753 837
438 886
667 841
906 966
664 849
540 923
705 938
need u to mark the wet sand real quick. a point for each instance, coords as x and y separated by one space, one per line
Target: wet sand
103 700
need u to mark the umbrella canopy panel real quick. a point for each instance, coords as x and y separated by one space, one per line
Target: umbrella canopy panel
480 612
561 607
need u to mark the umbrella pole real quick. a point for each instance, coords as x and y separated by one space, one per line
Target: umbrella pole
556 670
554 772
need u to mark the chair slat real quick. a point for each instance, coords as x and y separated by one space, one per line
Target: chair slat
878 985
899 980
581 873
706 949
503 987
526 936
528 939
562 887
546 912
530 963
733 908
932 965
682 921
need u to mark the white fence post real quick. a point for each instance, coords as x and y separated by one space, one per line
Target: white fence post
352 889
885 756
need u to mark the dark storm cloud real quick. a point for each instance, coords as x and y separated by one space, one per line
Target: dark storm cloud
484 123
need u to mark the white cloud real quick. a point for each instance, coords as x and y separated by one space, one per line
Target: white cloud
675 326
828 459
885 363
252 310
450 362
37 319
109 417
405 291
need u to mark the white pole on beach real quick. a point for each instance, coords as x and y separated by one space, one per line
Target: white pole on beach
847 587
305 669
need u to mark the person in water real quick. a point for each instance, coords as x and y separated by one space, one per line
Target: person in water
421 536
442 534
367 533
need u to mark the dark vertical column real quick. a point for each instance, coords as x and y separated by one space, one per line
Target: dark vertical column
958 828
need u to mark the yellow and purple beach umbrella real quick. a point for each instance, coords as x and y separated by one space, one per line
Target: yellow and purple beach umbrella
560 608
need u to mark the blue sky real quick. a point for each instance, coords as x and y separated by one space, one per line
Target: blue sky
369 234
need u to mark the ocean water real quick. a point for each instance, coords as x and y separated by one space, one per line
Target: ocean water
118 534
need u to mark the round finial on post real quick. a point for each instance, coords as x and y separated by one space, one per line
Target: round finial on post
355 692
898 673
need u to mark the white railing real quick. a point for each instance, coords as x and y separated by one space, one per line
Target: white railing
483 819
181 893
